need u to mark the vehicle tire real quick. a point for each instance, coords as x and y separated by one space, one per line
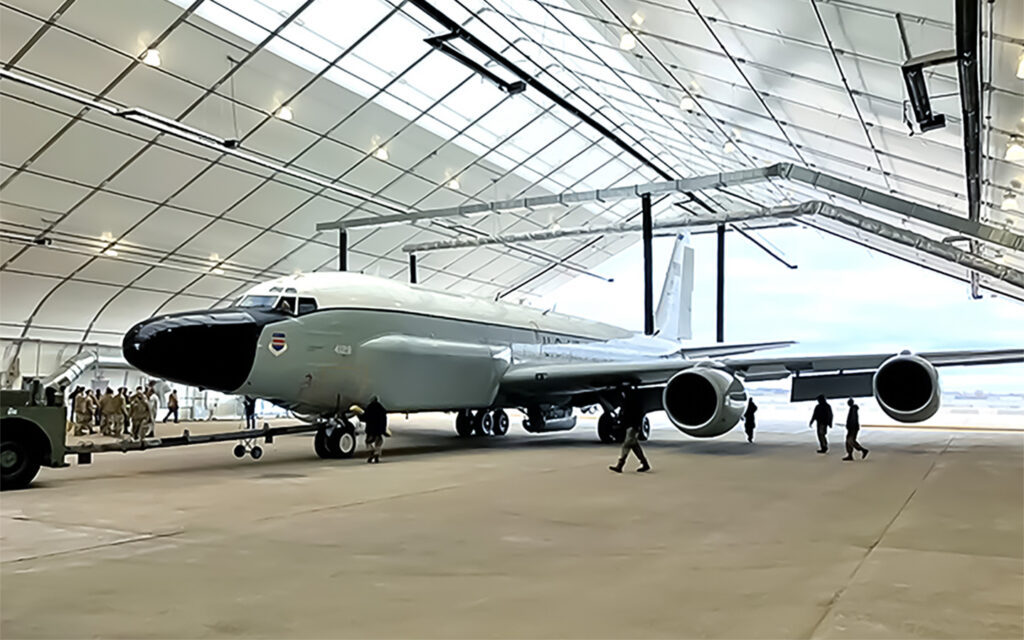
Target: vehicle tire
342 441
500 423
239 451
19 461
484 423
464 424
645 429
606 427
320 444
256 453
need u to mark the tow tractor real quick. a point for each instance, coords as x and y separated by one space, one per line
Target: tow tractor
33 425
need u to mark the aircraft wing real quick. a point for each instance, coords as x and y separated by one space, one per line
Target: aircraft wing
718 350
567 378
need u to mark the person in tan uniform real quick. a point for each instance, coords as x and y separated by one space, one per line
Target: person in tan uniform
117 413
106 403
83 412
142 417
125 401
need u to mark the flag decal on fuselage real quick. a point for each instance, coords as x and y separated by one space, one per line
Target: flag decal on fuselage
278 344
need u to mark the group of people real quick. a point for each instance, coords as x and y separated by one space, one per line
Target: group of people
822 417
118 414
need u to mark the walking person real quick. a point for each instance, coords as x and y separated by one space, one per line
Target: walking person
172 407
852 429
376 419
823 417
106 403
633 417
748 420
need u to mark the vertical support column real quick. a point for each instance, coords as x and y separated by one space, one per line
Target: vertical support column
648 231
412 268
342 250
720 310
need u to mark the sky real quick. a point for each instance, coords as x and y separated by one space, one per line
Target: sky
842 298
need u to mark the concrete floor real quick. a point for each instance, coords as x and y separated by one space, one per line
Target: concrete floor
527 536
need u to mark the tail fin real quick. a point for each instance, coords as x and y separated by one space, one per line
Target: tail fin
675 306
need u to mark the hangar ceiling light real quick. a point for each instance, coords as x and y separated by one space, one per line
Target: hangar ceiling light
151 57
285 113
628 41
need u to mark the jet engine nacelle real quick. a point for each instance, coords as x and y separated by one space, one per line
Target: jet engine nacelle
907 388
703 402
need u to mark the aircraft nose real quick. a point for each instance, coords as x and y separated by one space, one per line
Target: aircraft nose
208 350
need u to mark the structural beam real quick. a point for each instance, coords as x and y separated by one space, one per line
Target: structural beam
688 222
412 268
648 231
342 250
785 171
720 287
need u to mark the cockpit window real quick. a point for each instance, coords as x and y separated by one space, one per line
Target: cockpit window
307 305
286 305
264 302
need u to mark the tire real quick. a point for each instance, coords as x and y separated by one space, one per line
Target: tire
464 424
19 461
239 451
256 453
320 444
483 423
645 429
342 441
500 426
606 427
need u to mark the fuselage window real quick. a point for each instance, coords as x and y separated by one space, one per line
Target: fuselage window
307 305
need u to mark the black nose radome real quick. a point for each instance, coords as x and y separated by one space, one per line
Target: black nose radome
212 350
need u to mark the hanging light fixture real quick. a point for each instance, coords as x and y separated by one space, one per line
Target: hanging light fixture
285 113
628 41
688 104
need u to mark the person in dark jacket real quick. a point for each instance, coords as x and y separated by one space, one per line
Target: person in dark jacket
633 418
852 429
376 419
748 419
823 417
249 404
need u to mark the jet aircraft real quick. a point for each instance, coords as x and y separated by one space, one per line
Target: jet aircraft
329 343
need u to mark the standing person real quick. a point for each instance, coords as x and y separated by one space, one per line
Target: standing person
125 406
138 409
106 404
748 419
852 429
249 403
154 407
376 419
83 413
172 406
823 417
118 407
633 417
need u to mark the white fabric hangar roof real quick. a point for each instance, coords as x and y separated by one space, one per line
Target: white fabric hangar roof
140 222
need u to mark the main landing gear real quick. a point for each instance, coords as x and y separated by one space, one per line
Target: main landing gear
481 422
610 428
335 439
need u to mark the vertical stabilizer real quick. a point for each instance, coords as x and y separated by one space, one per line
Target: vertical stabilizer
672 319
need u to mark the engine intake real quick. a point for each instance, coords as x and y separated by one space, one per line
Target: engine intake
703 402
907 388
